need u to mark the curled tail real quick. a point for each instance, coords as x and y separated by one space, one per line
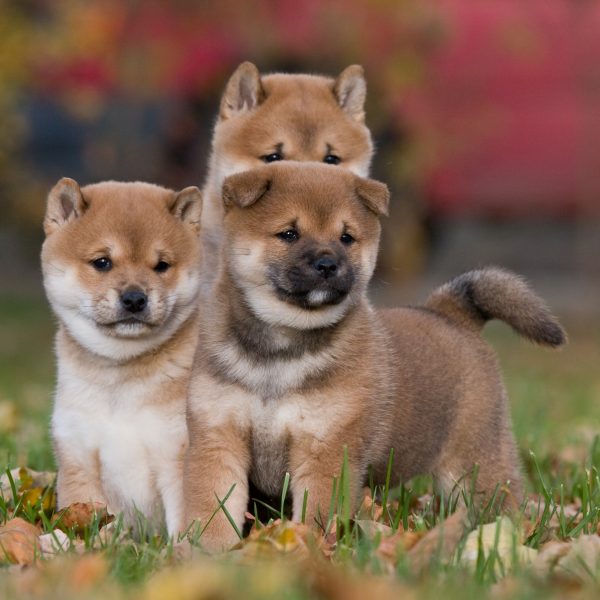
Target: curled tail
475 297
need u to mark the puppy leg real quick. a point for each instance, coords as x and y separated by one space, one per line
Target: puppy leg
497 473
313 465
170 484
217 460
78 478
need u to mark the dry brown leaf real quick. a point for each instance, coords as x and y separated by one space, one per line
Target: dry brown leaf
371 528
440 542
79 515
278 538
548 556
581 563
19 542
369 509
391 543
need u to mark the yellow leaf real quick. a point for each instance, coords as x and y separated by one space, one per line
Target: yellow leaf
25 479
287 537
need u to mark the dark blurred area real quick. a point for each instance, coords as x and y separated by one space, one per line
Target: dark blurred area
486 117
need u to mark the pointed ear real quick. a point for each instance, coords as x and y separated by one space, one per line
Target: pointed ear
244 189
244 91
350 90
186 206
65 204
374 195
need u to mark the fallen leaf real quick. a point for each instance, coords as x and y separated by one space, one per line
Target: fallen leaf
279 538
548 556
581 563
25 479
54 543
371 528
391 544
369 509
79 515
440 543
503 538
19 542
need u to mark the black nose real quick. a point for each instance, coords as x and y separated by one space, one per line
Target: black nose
326 266
134 301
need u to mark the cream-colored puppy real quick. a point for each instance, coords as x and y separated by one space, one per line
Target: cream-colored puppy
121 272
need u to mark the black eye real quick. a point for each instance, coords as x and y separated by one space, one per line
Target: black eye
162 266
332 159
268 158
290 235
102 264
346 239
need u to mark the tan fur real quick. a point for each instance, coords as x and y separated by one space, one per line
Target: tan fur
301 117
118 424
278 386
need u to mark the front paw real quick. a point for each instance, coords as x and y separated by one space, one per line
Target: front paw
219 536
183 551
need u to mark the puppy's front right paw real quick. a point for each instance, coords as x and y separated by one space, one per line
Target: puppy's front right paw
218 537
183 551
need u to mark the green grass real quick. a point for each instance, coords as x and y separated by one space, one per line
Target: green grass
555 398
26 381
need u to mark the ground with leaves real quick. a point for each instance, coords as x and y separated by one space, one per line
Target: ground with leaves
552 550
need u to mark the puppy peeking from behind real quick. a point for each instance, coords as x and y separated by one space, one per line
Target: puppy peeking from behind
294 364
121 272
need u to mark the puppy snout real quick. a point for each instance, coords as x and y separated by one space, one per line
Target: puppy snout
326 266
134 300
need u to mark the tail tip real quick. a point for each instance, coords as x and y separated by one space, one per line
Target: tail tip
552 334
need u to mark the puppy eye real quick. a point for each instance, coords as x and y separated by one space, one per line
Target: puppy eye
162 266
268 158
332 159
346 239
102 264
290 235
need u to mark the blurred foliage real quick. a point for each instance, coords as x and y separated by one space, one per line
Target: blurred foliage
84 57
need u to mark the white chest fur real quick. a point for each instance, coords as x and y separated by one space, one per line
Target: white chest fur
272 424
118 430
275 377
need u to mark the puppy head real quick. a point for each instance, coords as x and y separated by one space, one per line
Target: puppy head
291 117
301 240
120 263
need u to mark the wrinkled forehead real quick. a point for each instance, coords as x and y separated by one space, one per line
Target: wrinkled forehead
296 117
313 201
125 225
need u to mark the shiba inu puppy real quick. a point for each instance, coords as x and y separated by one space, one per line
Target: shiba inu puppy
294 364
283 117
120 264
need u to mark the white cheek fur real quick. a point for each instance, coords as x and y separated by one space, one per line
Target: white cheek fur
248 268
75 308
